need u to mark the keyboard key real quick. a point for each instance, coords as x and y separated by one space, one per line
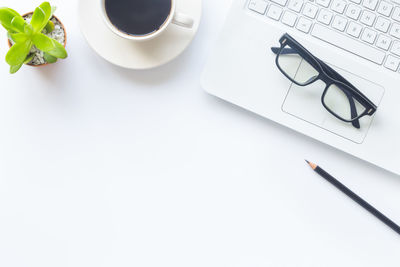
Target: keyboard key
338 6
324 3
289 18
353 12
383 42
353 46
354 29
356 1
367 18
370 4
274 12
325 17
395 30
304 25
259 6
385 8
396 13
382 24
296 5
310 10
368 35
339 23
392 63
280 2
396 48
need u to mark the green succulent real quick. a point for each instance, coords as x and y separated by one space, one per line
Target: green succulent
25 35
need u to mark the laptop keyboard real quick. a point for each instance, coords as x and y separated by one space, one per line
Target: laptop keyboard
367 28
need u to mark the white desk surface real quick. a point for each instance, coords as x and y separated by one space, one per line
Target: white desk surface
101 166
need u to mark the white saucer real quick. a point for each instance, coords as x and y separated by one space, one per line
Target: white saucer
134 55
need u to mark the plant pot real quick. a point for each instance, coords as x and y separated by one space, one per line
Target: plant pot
65 38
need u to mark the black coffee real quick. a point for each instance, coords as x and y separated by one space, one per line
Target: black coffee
138 17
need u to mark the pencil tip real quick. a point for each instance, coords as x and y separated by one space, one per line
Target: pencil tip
312 165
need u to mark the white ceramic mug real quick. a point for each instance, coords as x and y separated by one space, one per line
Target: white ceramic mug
174 17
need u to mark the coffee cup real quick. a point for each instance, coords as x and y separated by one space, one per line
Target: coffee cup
140 20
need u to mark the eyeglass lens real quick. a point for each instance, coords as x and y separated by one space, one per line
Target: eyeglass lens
339 102
295 67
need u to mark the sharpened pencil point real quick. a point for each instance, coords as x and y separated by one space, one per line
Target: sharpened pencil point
312 165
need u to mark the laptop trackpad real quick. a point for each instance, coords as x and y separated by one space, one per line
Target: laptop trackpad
304 102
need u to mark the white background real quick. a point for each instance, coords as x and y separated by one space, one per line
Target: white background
102 166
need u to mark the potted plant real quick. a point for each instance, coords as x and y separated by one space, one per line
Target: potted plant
36 38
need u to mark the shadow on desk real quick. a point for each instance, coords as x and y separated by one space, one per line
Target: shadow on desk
151 77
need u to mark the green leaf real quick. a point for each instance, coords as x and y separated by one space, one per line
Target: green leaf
49 27
59 51
48 45
18 23
14 69
28 29
18 53
49 58
29 58
41 16
19 37
43 42
11 20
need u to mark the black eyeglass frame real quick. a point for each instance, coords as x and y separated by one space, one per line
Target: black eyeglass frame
329 76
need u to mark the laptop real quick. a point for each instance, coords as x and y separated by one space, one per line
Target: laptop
360 39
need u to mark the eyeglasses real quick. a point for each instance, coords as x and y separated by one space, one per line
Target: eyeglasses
340 97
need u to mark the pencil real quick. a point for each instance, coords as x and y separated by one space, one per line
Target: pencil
355 197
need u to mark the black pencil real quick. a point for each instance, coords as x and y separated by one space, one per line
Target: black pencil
355 197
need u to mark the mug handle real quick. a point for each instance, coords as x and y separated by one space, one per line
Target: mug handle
183 20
